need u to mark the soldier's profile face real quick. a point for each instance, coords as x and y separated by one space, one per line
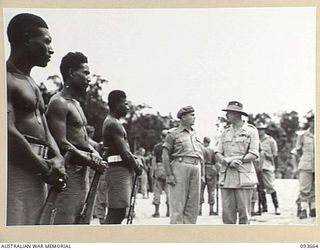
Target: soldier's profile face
232 116
189 118
123 107
40 46
261 132
206 144
81 77
311 123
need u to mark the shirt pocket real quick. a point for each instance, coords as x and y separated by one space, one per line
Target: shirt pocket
227 144
179 144
242 142
308 146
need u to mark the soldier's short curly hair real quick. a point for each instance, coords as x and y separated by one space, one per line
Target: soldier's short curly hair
21 24
72 60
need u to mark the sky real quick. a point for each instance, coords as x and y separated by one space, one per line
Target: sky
170 58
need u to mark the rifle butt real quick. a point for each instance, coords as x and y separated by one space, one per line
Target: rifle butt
49 210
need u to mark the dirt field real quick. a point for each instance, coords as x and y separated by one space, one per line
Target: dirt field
287 190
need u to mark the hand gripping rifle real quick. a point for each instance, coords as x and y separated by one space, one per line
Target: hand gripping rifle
132 201
86 212
49 209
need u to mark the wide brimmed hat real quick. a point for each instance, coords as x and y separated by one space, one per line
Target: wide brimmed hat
236 107
185 110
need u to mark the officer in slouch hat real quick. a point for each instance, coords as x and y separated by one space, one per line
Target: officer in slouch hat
237 149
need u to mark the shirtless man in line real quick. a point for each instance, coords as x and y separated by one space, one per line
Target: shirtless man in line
67 122
121 162
33 156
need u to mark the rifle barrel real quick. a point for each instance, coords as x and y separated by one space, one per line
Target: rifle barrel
132 201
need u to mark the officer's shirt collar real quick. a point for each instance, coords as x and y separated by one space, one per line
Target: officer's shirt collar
243 128
182 128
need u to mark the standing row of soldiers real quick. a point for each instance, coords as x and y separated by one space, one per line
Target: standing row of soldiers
52 147
38 138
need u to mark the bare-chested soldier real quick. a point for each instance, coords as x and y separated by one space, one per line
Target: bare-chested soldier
67 123
120 160
33 156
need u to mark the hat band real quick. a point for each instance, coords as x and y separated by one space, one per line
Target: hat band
234 108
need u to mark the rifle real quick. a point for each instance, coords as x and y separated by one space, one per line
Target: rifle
217 195
85 215
49 209
132 201
260 183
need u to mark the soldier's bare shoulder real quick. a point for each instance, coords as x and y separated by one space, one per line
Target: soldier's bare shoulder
112 124
12 82
58 102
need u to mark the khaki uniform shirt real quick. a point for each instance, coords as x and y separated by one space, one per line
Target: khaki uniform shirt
268 145
305 142
183 142
232 143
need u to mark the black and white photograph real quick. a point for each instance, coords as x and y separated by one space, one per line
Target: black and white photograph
160 116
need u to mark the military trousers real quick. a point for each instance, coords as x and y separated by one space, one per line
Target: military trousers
143 180
184 196
101 198
236 201
268 180
306 187
159 186
210 183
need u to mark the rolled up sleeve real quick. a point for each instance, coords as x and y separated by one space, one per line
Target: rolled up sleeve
254 143
168 143
219 147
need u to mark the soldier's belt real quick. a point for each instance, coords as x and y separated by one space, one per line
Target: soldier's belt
40 150
188 160
114 158
38 146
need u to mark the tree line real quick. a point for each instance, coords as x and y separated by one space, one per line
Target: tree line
144 129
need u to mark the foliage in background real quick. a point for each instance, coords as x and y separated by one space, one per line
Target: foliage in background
144 128
95 108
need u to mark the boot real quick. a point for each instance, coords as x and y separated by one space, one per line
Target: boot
102 221
312 209
303 214
200 210
252 209
312 212
211 209
298 208
263 202
168 211
275 203
156 212
298 212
